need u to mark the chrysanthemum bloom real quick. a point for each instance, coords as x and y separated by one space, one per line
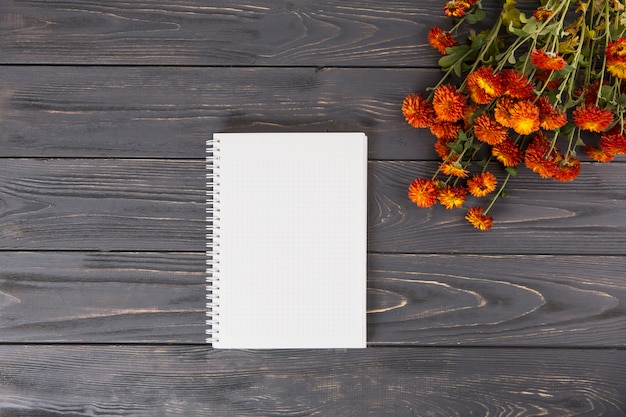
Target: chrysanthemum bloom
524 117
547 61
614 141
441 39
445 130
616 58
548 79
488 130
482 184
479 220
517 85
456 8
567 170
418 111
452 196
423 192
483 85
449 103
550 118
540 157
508 153
454 169
502 112
443 150
599 154
542 14
592 118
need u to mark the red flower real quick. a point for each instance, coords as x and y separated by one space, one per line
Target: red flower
449 103
488 130
453 168
517 85
592 118
418 111
550 118
547 61
479 220
452 196
482 184
441 39
507 153
423 192
445 130
616 58
484 86
540 157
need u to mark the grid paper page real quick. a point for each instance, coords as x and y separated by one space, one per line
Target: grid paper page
292 245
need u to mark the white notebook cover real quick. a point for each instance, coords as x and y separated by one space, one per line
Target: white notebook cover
290 240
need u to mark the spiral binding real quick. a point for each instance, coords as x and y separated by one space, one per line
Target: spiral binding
212 240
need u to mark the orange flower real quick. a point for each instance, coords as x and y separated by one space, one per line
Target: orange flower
445 130
502 111
549 117
507 153
524 117
542 14
547 78
567 170
616 58
483 85
452 196
482 184
488 130
547 61
592 118
443 150
479 220
457 8
599 154
613 141
540 157
454 169
517 85
418 111
449 103
440 39
423 192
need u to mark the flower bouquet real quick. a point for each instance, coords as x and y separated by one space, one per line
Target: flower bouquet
528 90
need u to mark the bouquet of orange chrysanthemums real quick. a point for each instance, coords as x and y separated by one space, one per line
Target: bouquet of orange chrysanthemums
531 86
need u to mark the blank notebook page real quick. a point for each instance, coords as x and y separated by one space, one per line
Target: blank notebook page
292 240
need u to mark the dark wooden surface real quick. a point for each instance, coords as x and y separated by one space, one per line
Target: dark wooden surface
105 107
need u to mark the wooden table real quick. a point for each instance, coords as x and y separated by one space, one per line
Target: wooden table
105 108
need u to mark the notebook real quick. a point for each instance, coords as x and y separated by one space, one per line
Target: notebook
286 240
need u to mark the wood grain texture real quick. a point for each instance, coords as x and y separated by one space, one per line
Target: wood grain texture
152 205
194 381
99 297
585 216
163 112
102 204
497 300
438 300
184 32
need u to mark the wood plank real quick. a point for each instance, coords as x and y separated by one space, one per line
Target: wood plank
100 204
165 112
439 300
585 216
196 381
158 205
497 300
187 32
100 297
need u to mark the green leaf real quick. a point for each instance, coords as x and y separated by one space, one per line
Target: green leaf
512 171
